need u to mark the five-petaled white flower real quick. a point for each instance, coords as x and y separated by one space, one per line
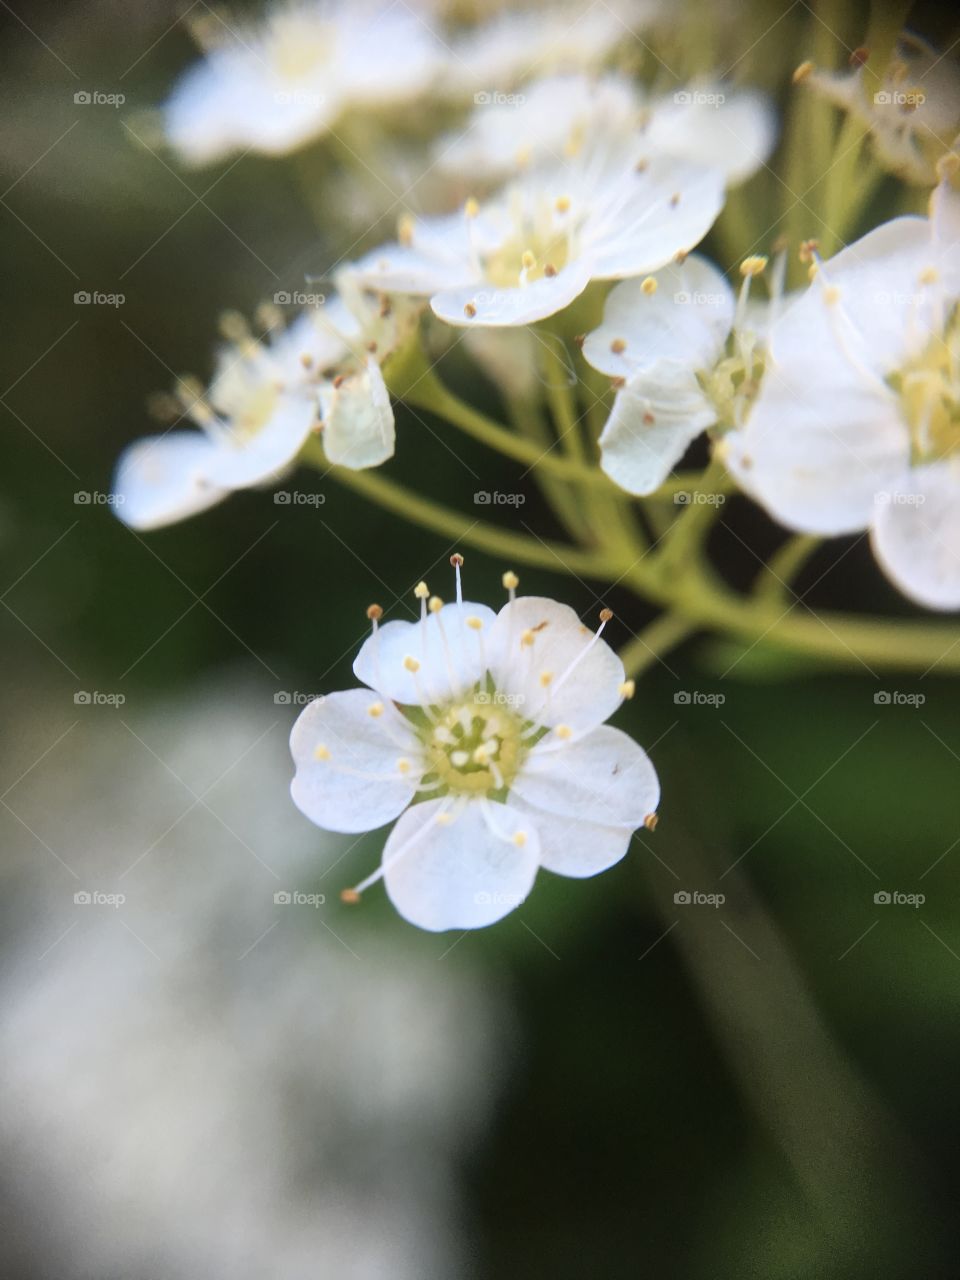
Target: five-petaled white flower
275 85
484 735
686 355
322 373
857 424
531 249
566 115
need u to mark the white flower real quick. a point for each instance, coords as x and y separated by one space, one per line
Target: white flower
667 339
531 249
273 86
266 397
557 35
857 425
565 115
913 114
483 735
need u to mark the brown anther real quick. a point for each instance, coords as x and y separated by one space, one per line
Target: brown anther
642 166
339 380
386 306
579 340
650 821
859 56
648 419
674 199
803 72
681 256
617 383
618 346
374 612
606 615
349 896
550 270
372 348
469 310
456 560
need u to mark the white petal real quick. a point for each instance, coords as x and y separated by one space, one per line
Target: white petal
916 535
716 126
162 479
328 790
452 655
687 319
558 672
358 424
653 421
571 846
820 443
604 777
245 461
461 874
439 257
482 304
643 220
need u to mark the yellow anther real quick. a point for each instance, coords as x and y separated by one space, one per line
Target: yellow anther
628 689
929 275
374 612
528 259
471 206
520 839
411 664
434 604
562 204
321 753
403 766
754 265
813 271
618 346
350 897
405 229
606 615
650 821
546 678
831 295
474 624
375 709
649 286
421 591
804 72
526 638
510 580
469 310
443 819
563 731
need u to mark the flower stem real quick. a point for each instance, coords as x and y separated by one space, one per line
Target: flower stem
662 635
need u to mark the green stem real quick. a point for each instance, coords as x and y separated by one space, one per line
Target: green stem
662 635
773 580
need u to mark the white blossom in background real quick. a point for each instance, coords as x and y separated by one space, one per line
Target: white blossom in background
267 396
857 424
686 356
533 247
492 58
274 85
561 116
912 114
483 735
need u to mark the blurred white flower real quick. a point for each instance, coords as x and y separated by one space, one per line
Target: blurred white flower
857 424
561 116
274 85
532 248
484 736
322 373
913 113
686 356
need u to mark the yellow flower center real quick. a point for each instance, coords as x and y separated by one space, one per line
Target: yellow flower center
475 747
929 391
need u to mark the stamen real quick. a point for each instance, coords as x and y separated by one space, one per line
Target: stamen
649 286
511 582
443 817
457 561
628 689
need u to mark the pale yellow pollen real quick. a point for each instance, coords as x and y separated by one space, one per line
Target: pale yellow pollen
628 689
523 157
411 664
813 271
528 259
471 206
520 839
546 677
562 204
649 286
375 709
434 604
474 624
510 580
930 275
403 766
618 346
421 591
563 731
526 639
831 295
443 819
804 72
754 265
405 229
321 753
